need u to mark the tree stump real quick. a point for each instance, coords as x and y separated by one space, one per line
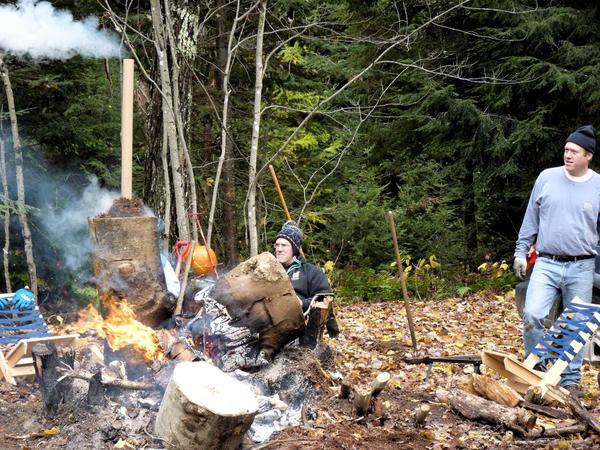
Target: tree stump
258 295
96 395
204 408
126 265
315 326
46 361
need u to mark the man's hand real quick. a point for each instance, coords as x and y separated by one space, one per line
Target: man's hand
520 267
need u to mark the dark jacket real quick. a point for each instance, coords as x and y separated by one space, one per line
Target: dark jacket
307 280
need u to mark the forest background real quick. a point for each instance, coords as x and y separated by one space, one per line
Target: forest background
443 112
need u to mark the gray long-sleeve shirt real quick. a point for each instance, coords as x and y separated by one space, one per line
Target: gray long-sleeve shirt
562 215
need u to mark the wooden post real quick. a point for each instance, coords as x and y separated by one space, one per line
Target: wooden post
127 129
411 325
281 198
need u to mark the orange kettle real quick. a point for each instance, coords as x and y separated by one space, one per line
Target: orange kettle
204 259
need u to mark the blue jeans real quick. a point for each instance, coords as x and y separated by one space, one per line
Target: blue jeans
548 277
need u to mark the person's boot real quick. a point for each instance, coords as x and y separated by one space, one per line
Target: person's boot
333 328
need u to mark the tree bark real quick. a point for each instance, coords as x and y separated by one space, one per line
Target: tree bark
225 135
477 408
126 265
230 228
258 84
6 213
168 108
204 408
47 363
21 210
180 105
495 391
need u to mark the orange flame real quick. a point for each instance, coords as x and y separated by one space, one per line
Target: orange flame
120 328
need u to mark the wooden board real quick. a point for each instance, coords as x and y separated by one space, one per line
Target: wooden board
18 361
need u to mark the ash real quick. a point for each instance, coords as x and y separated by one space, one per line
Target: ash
285 386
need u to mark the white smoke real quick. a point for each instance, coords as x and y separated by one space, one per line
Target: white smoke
41 31
69 226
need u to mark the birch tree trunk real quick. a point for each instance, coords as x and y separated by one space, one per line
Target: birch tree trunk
229 193
21 211
4 180
252 225
184 153
168 109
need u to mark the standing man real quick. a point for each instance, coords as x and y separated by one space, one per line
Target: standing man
562 220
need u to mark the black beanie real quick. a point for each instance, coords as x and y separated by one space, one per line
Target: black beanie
585 137
291 233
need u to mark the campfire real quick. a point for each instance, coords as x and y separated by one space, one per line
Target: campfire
120 328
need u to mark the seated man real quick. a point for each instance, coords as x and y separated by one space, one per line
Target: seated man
307 279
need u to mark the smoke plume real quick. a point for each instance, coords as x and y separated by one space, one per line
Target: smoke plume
41 31
69 226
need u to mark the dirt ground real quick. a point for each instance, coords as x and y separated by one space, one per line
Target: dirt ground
374 339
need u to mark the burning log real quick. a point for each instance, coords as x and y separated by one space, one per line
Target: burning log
204 408
126 260
47 361
259 295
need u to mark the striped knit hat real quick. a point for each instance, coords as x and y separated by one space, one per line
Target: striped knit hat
291 233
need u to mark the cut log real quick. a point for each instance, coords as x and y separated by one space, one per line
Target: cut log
107 379
477 408
555 413
204 408
578 409
315 325
362 400
490 389
421 413
126 265
258 295
379 383
47 361
364 395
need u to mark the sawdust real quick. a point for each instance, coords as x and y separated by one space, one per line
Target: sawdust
123 207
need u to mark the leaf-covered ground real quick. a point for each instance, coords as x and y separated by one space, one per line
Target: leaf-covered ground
375 337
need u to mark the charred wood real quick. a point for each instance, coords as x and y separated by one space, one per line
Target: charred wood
47 362
96 395
108 380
